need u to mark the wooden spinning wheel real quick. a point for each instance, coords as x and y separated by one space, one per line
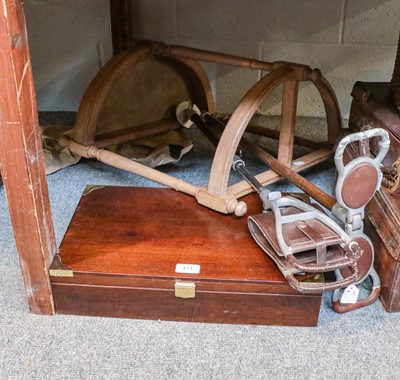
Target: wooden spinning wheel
162 76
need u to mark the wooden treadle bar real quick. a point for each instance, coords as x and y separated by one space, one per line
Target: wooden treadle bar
242 188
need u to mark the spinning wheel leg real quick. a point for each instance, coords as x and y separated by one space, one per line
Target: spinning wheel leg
123 163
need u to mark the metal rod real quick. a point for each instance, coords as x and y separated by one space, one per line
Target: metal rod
239 166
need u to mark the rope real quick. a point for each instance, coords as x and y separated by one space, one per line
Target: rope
391 177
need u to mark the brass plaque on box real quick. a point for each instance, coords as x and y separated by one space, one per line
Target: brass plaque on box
61 273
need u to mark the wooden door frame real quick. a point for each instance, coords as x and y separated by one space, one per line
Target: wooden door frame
21 155
121 28
21 159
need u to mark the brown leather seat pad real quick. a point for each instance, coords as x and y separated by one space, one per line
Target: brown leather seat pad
334 252
293 236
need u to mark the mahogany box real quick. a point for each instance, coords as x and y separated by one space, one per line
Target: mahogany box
373 106
154 253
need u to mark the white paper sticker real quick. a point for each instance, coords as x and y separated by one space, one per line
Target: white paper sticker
187 268
298 163
350 295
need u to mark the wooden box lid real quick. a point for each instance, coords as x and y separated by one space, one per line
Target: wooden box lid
142 234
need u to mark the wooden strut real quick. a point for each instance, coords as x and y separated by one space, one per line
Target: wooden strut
217 195
260 130
123 163
227 204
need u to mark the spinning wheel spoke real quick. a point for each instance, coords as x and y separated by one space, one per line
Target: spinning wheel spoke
288 121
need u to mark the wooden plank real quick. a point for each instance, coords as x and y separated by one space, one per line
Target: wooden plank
21 159
121 30
135 132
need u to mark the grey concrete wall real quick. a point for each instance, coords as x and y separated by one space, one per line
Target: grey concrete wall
348 40
69 40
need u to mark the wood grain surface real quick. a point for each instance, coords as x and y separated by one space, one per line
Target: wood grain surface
123 245
21 160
